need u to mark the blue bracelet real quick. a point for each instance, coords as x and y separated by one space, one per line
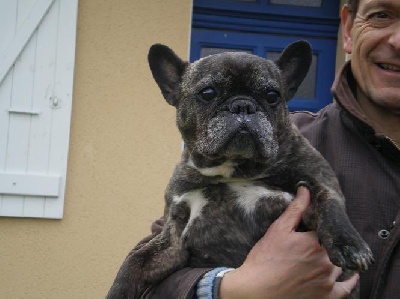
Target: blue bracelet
208 286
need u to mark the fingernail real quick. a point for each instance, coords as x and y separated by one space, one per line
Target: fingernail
301 189
304 184
302 194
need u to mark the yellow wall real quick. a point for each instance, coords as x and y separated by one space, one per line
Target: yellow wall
124 145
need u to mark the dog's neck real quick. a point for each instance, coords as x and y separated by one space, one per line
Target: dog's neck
224 169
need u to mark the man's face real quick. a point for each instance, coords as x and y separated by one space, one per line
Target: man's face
373 40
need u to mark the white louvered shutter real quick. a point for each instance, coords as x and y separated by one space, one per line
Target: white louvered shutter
37 53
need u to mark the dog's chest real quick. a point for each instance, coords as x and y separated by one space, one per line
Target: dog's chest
249 197
226 203
224 221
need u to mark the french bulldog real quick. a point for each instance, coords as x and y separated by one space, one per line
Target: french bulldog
240 167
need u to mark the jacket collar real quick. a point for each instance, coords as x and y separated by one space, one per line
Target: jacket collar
344 91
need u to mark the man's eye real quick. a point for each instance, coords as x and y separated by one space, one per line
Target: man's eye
380 19
208 93
379 15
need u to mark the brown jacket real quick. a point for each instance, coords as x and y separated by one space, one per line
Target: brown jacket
368 168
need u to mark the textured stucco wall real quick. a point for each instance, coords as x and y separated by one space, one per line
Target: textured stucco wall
124 145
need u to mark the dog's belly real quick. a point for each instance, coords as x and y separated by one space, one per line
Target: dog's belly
226 220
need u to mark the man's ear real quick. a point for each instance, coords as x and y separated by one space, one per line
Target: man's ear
347 24
167 69
294 64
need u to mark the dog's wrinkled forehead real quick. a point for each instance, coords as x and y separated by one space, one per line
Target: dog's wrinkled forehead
233 68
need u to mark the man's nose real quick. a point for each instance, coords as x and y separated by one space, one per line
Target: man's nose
394 39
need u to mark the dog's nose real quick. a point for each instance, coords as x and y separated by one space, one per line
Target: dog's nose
241 106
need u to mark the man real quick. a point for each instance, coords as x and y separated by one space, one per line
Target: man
359 135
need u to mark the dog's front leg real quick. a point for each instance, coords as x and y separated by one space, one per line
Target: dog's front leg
148 265
344 245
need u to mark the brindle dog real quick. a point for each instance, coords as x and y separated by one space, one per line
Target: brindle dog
240 167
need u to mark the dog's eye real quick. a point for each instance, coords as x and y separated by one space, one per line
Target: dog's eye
208 93
273 97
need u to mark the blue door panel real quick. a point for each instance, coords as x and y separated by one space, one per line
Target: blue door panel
328 8
260 44
261 26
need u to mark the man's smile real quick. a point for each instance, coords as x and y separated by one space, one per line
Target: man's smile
389 67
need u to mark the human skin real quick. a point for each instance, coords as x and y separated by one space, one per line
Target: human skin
287 264
372 38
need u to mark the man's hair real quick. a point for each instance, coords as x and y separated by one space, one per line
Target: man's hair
353 6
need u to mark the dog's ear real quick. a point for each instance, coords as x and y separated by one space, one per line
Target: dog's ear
294 64
167 69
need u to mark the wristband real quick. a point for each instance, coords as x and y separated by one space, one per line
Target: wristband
208 286
217 282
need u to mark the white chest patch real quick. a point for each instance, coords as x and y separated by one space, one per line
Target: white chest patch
248 195
195 200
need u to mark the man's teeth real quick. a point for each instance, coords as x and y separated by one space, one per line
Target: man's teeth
389 67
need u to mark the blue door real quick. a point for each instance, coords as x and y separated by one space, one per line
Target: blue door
265 28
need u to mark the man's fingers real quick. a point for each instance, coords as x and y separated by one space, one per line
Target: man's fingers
337 271
294 212
344 288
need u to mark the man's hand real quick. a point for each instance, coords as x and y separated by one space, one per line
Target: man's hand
287 264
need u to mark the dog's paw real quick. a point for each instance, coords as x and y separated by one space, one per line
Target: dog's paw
345 248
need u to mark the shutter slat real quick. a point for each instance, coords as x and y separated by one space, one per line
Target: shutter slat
29 184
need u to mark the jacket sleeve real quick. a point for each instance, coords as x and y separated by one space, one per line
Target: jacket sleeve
181 284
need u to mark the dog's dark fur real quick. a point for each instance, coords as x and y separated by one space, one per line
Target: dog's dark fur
239 169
